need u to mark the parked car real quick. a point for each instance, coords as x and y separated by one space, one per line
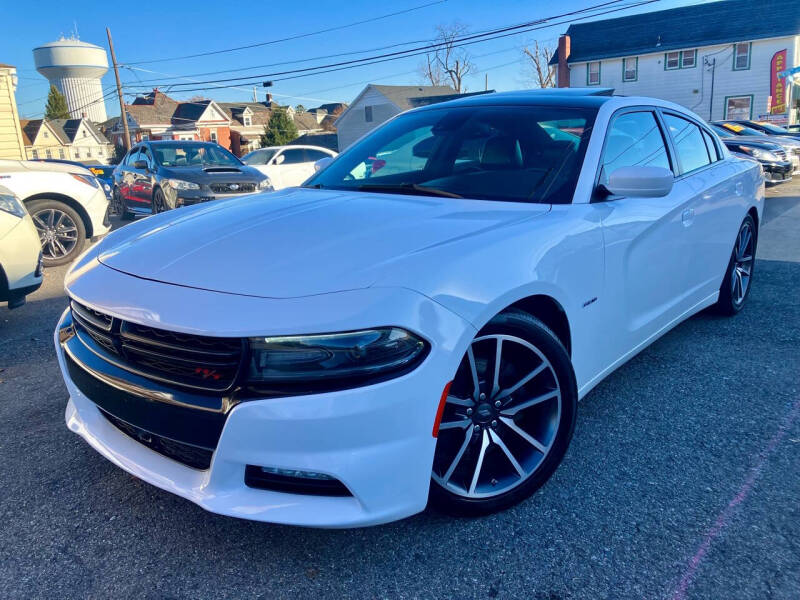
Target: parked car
66 202
105 174
790 145
20 251
162 175
767 128
772 157
287 166
339 353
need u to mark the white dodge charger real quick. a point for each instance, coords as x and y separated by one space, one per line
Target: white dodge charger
419 321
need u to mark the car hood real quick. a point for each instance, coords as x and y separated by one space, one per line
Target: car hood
211 174
301 242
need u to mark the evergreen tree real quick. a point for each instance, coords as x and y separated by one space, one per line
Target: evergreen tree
56 105
280 130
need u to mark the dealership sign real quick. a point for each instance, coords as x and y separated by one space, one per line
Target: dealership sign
777 83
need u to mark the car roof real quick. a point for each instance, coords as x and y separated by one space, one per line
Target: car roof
177 143
574 97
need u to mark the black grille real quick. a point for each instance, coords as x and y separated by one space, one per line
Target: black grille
194 361
191 456
240 188
188 435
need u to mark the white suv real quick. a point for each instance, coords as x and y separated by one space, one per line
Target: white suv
20 253
66 202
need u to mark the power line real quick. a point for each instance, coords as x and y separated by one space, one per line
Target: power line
290 38
457 42
466 41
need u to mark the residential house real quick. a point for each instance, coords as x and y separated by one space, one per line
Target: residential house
723 60
66 139
11 143
236 126
156 116
379 103
44 139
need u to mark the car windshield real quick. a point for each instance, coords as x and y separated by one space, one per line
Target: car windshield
738 129
509 153
722 131
194 155
259 157
770 128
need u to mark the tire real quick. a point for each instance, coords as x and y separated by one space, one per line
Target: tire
61 230
537 397
738 278
159 203
119 206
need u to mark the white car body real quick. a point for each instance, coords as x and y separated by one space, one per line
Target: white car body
20 253
31 180
289 166
624 271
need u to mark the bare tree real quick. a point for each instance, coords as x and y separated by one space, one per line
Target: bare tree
543 73
448 63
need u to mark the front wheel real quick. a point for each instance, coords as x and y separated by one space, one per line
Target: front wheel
61 230
508 418
735 286
159 202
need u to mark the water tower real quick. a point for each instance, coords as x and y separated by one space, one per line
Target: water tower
76 69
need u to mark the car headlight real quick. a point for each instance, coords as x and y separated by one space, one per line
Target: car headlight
180 184
11 204
87 179
265 185
317 363
760 154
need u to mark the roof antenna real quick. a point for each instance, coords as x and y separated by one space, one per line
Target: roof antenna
75 35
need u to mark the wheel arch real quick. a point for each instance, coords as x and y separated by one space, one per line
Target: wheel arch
754 213
69 201
550 312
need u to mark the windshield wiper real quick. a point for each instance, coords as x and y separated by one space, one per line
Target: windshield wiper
407 188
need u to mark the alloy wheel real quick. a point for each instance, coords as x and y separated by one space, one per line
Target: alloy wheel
57 232
743 258
500 420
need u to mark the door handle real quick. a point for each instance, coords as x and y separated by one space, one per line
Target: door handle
687 217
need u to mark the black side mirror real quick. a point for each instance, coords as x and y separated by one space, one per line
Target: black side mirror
140 164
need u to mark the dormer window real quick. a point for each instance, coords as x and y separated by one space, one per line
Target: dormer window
248 120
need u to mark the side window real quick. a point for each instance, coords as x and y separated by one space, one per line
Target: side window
634 139
132 157
315 155
689 144
145 154
293 156
710 145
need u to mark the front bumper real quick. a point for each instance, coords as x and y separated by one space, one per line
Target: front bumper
377 440
777 172
97 208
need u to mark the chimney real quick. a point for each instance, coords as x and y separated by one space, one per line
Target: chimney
563 68
269 98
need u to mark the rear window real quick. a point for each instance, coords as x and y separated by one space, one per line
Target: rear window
509 153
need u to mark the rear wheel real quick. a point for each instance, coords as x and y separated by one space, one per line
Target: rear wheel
119 208
508 419
735 286
61 230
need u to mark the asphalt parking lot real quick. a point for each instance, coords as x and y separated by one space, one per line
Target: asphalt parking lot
682 481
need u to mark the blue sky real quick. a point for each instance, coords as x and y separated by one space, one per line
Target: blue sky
145 30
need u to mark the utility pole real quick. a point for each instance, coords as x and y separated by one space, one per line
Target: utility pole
713 66
122 114
486 82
